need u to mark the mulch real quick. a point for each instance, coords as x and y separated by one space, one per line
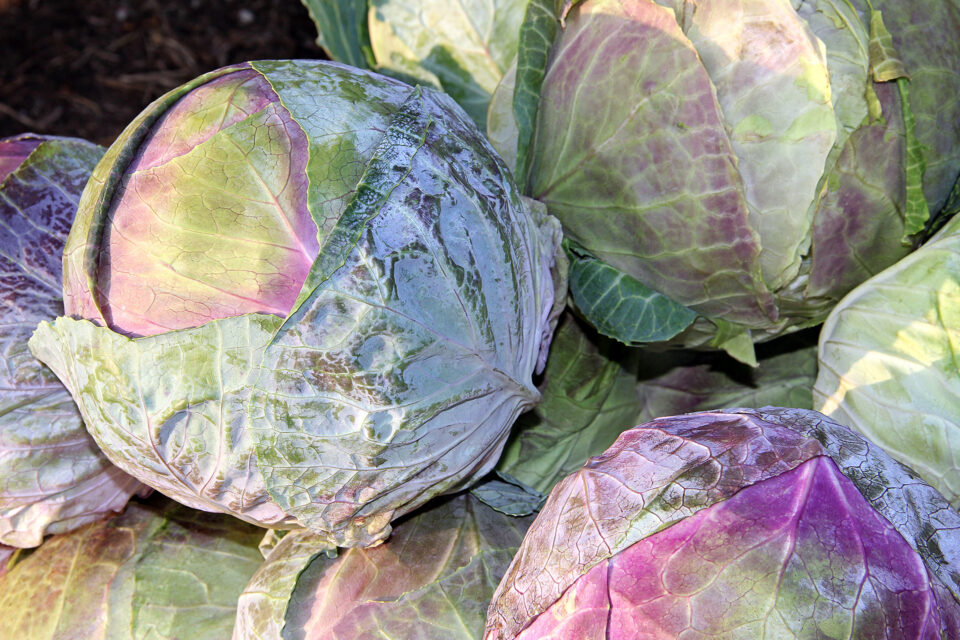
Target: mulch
88 75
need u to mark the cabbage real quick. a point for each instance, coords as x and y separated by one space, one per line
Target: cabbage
305 295
748 161
771 523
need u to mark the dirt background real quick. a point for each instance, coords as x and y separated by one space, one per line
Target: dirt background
87 76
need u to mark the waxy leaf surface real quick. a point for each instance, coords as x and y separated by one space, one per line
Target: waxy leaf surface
409 346
663 474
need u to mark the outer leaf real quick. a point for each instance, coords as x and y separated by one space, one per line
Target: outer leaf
342 30
81 256
508 495
917 213
466 46
224 209
622 307
501 122
684 233
589 398
860 216
594 389
263 603
52 476
146 574
218 556
537 34
185 435
889 364
784 377
404 370
431 580
668 470
772 84
924 38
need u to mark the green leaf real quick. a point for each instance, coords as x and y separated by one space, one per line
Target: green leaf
674 382
159 571
432 580
924 35
622 307
342 30
463 47
589 396
735 340
509 496
890 361
537 33
916 212
885 62
885 66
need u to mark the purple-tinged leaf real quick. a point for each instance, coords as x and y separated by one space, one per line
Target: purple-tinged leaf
664 482
53 478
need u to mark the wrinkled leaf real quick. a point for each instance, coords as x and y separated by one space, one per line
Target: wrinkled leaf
658 476
819 561
406 357
684 233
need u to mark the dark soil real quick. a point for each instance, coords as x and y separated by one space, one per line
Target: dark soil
87 75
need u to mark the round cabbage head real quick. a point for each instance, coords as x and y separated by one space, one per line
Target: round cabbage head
303 294
53 478
750 160
745 523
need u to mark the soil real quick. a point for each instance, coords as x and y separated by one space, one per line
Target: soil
88 75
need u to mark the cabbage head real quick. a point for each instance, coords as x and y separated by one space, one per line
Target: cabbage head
303 294
748 161
744 523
